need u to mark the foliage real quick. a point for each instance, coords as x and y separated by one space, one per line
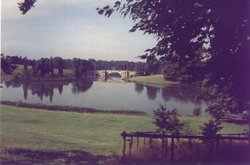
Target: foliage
26 5
210 129
116 65
167 121
6 65
221 103
81 67
140 70
58 63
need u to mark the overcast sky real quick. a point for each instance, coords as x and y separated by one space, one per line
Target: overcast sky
69 28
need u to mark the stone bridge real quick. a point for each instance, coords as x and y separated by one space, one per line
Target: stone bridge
123 73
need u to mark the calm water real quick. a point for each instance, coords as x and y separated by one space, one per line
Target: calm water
106 95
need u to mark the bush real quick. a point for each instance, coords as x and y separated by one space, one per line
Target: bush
167 121
210 130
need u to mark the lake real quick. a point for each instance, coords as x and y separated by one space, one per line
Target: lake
106 95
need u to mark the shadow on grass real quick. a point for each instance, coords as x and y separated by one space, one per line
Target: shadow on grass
230 154
23 156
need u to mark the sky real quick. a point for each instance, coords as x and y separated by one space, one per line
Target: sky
69 28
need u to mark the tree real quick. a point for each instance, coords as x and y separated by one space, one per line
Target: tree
209 131
167 121
6 65
59 63
25 65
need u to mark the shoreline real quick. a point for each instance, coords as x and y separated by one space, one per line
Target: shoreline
153 80
71 108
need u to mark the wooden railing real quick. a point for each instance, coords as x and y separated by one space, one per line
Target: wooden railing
128 138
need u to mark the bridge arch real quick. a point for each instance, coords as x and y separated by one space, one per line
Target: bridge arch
123 73
114 74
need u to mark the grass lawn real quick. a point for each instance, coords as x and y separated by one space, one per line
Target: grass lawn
96 133
32 136
46 130
153 80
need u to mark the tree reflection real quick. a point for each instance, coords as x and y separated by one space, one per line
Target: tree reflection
41 89
60 89
81 85
25 91
151 92
13 83
139 87
197 111
184 94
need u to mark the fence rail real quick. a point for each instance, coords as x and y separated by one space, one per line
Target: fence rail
128 138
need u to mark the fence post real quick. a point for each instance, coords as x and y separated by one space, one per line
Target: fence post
166 143
217 143
163 141
172 150
137 144
190 142
130 145
124 145
150 142
249 135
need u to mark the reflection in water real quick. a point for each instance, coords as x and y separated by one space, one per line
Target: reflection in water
46 89
139 87
197 111
182 93
106 95
60 89
25 91
114 76
81 85
178 93
151 92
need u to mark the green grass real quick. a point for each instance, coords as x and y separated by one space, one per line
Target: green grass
45 130
153 80
32 136
96 133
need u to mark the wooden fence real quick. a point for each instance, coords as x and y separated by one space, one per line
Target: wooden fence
134 137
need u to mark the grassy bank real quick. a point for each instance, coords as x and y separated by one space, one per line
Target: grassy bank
39 133
69 108
48 130
97 133
153 80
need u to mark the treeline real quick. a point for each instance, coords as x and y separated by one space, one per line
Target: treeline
141 68
115 65
45 67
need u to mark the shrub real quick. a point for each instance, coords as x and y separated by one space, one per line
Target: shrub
210 130
167 121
